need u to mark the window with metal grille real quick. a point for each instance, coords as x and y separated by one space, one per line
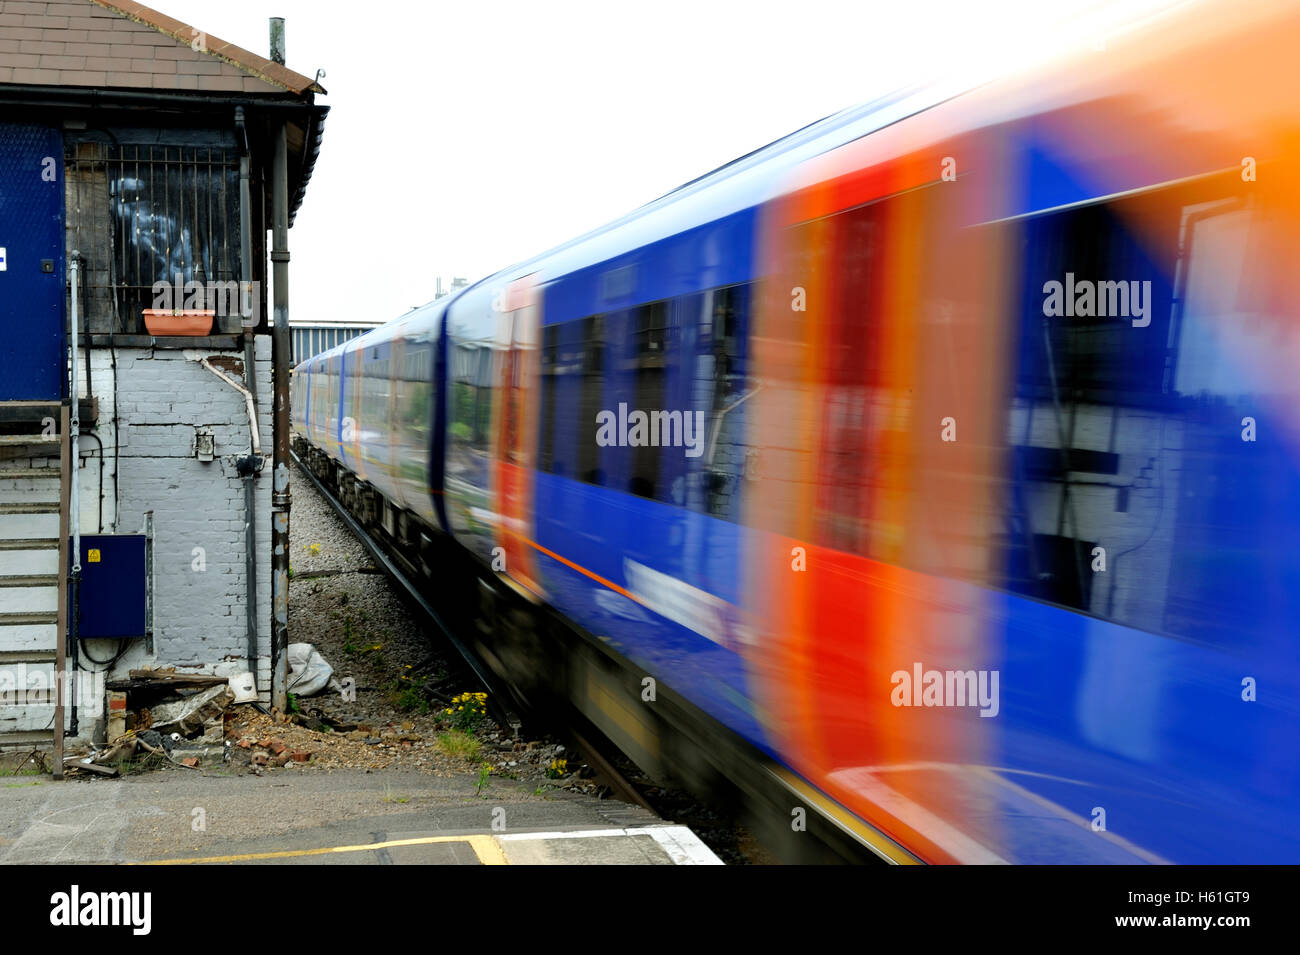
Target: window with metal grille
144 214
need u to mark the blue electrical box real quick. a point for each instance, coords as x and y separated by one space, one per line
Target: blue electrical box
114 586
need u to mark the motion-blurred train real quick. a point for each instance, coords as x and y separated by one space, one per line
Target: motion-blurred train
943 457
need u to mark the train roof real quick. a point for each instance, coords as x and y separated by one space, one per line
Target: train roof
744 182
737 185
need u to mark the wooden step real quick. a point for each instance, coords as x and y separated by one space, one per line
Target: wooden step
26 656
21 440
28 619
12 412
31 580
24 527
30 562
34 543
30 507
43 598
31 543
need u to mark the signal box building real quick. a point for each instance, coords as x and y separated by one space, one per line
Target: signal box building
149 173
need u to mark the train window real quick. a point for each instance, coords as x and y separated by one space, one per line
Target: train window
550 371
1086 379
471 393
723 443
1127 453
649 328
591 352
1230 490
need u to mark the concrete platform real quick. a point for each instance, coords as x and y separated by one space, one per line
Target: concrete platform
646 845
344 817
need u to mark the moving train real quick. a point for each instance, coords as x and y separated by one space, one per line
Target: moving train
943 458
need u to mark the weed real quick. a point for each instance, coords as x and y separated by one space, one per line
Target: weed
31 771
456 743
558 768
409 697
481 783
467 711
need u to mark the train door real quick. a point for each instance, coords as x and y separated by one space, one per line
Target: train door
516 340
32 360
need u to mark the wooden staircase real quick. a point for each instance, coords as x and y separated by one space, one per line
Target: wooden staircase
35 483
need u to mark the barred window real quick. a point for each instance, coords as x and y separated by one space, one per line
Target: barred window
143 214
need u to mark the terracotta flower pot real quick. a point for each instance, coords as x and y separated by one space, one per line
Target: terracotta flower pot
189 321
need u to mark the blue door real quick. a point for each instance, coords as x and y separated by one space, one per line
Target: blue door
32 357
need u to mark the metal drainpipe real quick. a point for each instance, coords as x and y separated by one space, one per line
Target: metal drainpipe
280 501
74 502
246 467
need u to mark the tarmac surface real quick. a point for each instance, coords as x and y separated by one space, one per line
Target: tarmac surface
349 817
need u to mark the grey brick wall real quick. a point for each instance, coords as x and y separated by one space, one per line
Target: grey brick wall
160 397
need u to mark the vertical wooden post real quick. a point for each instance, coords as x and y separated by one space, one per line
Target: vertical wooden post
67 475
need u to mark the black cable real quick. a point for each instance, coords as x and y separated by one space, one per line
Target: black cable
107 664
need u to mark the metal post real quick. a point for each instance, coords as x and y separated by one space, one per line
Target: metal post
249 468
277 39
74 276
280 347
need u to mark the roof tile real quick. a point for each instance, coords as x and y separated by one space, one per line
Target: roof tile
43 22
126 78
54 61
126 44
83 78
195 67
39 46
28 75
87 49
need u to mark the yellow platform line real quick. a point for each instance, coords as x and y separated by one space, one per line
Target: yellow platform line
881 844
485 848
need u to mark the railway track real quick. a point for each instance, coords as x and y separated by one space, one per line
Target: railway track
597 751
690 769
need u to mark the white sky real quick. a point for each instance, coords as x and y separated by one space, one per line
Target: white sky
466 136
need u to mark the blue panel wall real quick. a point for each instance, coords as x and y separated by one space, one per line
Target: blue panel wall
32 356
